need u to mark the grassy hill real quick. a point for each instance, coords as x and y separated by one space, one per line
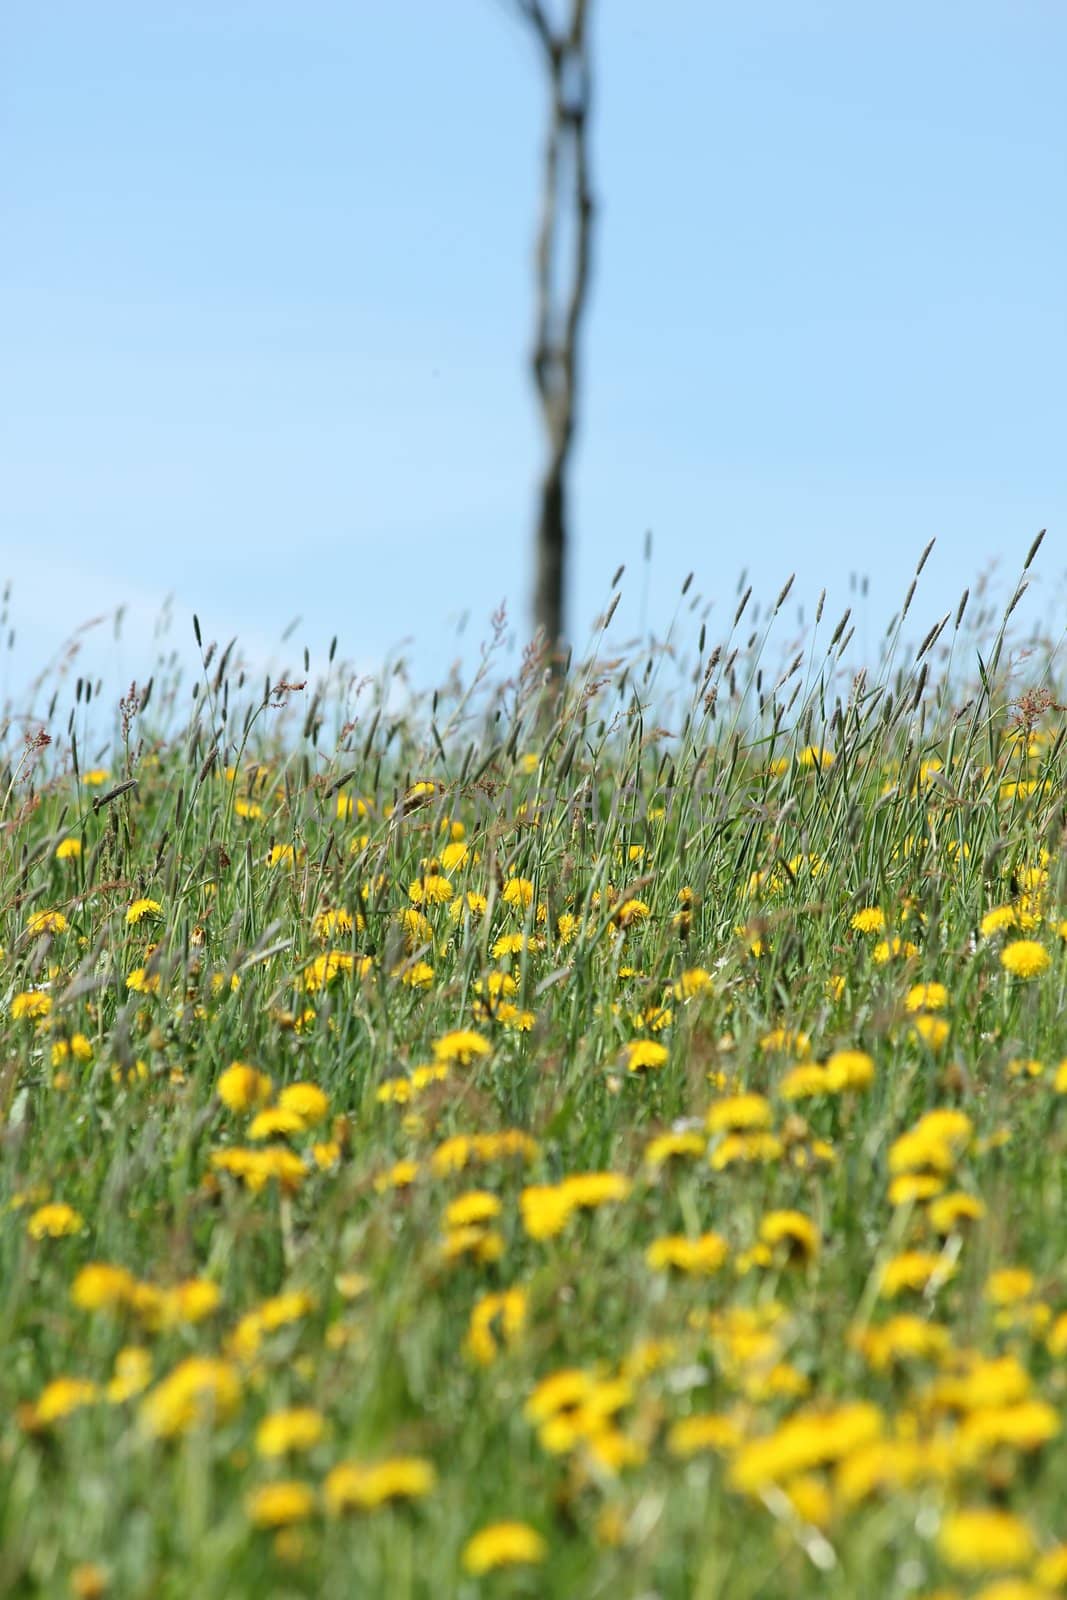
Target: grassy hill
530 1147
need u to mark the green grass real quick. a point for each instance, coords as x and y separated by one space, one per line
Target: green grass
681 831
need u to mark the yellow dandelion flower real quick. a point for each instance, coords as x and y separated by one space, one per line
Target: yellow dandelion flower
476 1206
329 924
887 949
60 1398
926 997
356 1486
917 1270
1025 958
47 922
950 1210
200 1388
461 1047
99 1286
141 909
68 849
870 919
545 1209
704 1431
307 1101
645 1055
243 1088
518 892
932 1031
702 1255
982 1539
804 1082
277 1505
131 1375
56 1220
31 1004
739 1113
793 1230
849 1069
503 1544
666 1146
284 1432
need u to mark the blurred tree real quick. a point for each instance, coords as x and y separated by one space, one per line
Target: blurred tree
561 275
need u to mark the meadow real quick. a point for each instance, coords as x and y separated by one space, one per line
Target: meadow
559 1139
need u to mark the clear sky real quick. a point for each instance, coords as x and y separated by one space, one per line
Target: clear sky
265 306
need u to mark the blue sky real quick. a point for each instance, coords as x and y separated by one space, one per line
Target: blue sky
265 307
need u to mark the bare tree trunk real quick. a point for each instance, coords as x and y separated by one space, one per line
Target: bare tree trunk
551 550
561 291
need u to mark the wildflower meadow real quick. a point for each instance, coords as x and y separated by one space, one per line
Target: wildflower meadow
594 1134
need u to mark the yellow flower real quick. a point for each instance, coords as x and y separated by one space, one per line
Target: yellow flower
503 1544
518 892
68 849
981 1539
431 890
849 1069
902 1338
89 1581
496 1318
281 1432
705 1431
77 1047
886 949
471 903
102 1287
806 1440
667 1145
54 1221
33 1003
47 922
910 1187
275 1120
461 1046
739 1113
1009 1285
96 777
355 1486
926 997
545 1209
949 1210
242 1088
1025 958
132 1374
588 1190
418 975
813 755
307 1100
917 1270
644 1055
746 1148
474 1207
871 919
933 1031
327 924
197 1389
783 1039
141 909
276 1505
702 1255
60 1398
793 1230
804 1081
